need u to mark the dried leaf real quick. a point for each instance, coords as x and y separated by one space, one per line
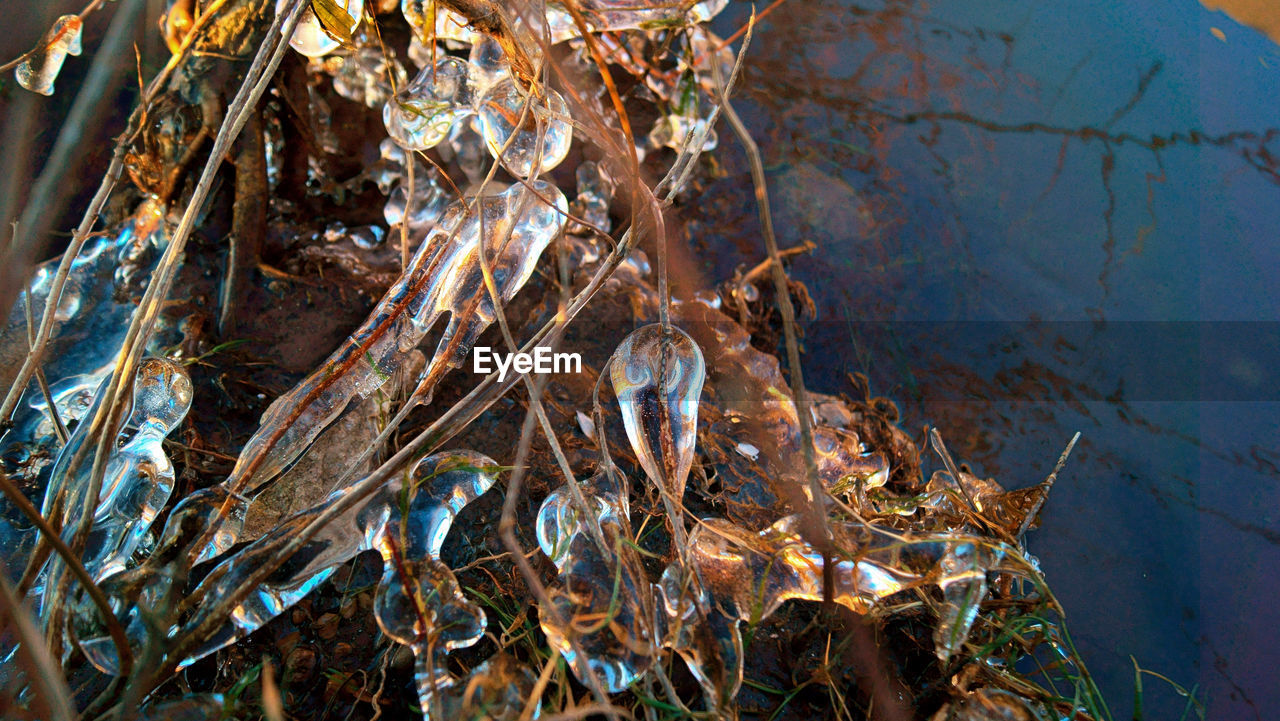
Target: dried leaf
335 20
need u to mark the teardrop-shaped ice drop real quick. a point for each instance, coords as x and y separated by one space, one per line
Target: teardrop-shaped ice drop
420 115
310 38
655 376
41 68
501 110
559 523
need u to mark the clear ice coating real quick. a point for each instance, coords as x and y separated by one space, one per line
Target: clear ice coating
89 327
444 276
738 575
612 15
603 605
675 131
430 197
605 608
365 75
450 27
419 604
139 477
310 38
406 523
534 146
421 114
752 574
962 575
488 64
138 590
595 192
751 439
657 379
38 72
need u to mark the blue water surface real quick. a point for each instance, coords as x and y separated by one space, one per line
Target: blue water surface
1036 218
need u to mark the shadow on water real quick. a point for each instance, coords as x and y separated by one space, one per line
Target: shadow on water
1024 232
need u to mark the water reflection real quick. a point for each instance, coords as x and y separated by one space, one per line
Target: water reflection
1091 205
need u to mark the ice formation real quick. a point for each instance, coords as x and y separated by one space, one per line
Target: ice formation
311 38
38 72
406 522
658 376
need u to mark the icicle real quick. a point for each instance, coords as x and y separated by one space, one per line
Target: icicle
654 378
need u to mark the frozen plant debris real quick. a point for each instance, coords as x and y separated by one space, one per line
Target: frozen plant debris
325 25
38 72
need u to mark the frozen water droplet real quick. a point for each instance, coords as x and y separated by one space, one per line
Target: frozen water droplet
309 37
595 191
429 203
465 147
559 523
656 377
368 237
488 63
962 575
139 476
446 613
38 71
421 114
501 111
596 583
363 75
674 131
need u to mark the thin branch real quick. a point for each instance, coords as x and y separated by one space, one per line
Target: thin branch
1046 486
51 694
58 427
783 298
24 505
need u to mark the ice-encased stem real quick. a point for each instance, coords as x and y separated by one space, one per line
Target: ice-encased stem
657 375
443 276
400 521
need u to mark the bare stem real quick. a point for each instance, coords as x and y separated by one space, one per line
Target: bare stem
782 292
